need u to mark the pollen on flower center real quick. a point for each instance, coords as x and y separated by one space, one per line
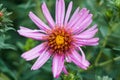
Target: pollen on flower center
59 41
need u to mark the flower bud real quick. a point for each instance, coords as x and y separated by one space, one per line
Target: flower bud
1 14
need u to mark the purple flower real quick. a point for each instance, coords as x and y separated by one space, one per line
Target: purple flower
62 38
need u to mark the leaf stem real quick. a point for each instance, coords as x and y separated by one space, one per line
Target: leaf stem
100 53
103 63
109 61
104 44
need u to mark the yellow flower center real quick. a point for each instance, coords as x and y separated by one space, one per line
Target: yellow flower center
59 40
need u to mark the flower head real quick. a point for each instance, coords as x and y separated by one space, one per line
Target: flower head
62 38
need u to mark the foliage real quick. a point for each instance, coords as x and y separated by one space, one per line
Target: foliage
5 25
104 58
103 78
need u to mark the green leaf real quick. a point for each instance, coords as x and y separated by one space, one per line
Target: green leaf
9 28
1 6
5 69
4 45
117 48
9 13
104 31
7 46
103 78
107 52
3 77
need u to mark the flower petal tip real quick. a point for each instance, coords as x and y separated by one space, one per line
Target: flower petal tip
71 2
22 27
34 68
43 4
95 25
18 31
24 57
56 76
30 13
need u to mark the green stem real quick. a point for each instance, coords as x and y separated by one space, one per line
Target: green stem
111 30
109 61
100 53
103 63
104 44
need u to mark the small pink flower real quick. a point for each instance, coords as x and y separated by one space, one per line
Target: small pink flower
62 38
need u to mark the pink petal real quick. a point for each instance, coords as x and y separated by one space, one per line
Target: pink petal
48 15
38 22
67 58
79 18
73 17
78 60
91 29
57 65
41 60
34 53
74 14
34 34
24 28
59 13
86 34
89 42
68 12
65 70
83 18
86 63
84 24
83 14
62 12
29 30
56 12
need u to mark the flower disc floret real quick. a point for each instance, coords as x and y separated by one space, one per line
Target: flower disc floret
60 40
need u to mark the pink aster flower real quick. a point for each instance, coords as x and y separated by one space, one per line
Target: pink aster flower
62 39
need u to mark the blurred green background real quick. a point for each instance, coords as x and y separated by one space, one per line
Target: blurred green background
104 58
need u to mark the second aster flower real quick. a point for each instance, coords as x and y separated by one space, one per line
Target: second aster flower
62 39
